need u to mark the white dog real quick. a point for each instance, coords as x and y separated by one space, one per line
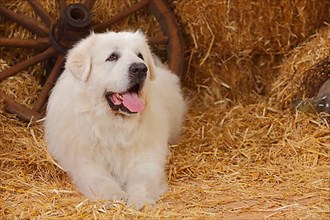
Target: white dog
111 116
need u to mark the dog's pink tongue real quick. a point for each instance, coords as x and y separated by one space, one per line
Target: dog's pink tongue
132 102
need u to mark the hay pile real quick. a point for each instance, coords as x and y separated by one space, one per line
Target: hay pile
240 43
242 155
298 69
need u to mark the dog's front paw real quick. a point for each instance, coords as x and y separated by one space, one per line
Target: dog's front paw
102 188
115 195
140 201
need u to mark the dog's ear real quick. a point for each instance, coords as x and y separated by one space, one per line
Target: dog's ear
151 67
79 65
78 61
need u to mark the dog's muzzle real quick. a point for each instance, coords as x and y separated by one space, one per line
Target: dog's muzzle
129 101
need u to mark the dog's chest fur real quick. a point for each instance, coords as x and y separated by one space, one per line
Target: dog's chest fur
115 143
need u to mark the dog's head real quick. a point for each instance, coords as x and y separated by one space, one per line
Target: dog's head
115 66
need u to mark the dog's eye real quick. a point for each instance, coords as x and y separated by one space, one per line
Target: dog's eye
140 56
113 57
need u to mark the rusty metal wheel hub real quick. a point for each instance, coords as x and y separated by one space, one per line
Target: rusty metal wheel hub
74 24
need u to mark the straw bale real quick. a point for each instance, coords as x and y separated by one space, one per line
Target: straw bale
301 73
241 27
217 31
234 160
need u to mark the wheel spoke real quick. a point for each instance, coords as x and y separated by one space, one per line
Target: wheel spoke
27 63
89 4
25 21
39 10
62 5
22 112
158 40
49 83
121 15
41 43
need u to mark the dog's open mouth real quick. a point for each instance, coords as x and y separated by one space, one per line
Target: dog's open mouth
127 102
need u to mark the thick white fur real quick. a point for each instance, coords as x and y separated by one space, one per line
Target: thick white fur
107 154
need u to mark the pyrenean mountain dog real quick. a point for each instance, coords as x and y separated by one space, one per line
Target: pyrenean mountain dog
111 116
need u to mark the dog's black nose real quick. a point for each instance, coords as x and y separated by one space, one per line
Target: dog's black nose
138 70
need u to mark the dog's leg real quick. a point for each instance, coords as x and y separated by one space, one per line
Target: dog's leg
145 183
94 182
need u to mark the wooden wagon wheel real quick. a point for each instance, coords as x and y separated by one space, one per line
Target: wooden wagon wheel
54 38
